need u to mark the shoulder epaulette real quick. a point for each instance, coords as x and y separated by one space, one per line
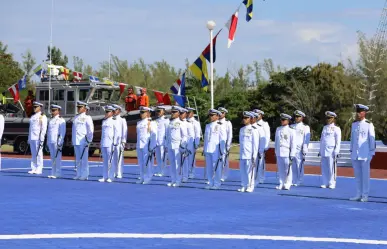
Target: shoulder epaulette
367 121
220 123
254 127
259 124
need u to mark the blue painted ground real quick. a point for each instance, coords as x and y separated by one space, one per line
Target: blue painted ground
31 204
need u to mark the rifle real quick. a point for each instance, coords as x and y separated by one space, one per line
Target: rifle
257 168
335 166
220 159
289 168
225 160
80 160
183 156
193 160
301 166
252 172
57 151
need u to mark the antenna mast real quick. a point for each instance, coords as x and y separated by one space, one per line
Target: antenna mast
50 75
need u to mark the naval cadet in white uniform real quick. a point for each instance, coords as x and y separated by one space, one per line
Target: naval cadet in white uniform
175 143
161 153
215 139
262 125
55 138
37 132
362 150
228 127
118 157
82 136
146 144
110 139
249 143
122 129
189 145
196 141
285 151
302 139
330 143
260 162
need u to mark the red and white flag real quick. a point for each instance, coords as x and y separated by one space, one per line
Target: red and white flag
122 87
232 26
77 76
14 90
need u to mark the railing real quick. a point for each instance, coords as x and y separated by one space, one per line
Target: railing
344 159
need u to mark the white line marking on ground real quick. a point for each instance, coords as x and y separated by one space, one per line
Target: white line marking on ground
190 236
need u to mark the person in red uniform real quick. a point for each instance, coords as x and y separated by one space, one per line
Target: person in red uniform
28 101
130 100
143 99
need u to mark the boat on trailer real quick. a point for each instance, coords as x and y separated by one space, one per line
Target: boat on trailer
66 94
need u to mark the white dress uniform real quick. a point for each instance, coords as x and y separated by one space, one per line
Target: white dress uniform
249 144
118 156
228 127
189 149
55 138
362 150
196 142
264 130
146 144
82 136
117 146
329 150
260 162
161 152
215 138
110 138
302 139
175 142
284 151
1 133
37 132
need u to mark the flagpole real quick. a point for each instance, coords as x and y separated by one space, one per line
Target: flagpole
211 25
109 62
49 80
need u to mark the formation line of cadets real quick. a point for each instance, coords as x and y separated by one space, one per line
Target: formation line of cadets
176 139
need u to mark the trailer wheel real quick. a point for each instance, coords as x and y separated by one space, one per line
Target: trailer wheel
21 146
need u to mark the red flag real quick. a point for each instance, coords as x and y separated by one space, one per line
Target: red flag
166 99
232 26
122 87
159 97
14 90
77 76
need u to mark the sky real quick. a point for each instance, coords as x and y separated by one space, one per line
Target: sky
290 32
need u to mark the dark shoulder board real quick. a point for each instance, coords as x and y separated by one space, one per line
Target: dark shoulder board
220 123
259 124
367 121
254 127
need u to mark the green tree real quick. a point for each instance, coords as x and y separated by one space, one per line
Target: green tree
10 71
28 63
78 64
56 57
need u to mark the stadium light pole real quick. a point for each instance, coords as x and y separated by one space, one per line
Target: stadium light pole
211 25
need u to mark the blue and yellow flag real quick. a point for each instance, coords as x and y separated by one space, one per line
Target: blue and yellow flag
199 70
249 6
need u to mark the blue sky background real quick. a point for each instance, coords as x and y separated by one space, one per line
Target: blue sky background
291 32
